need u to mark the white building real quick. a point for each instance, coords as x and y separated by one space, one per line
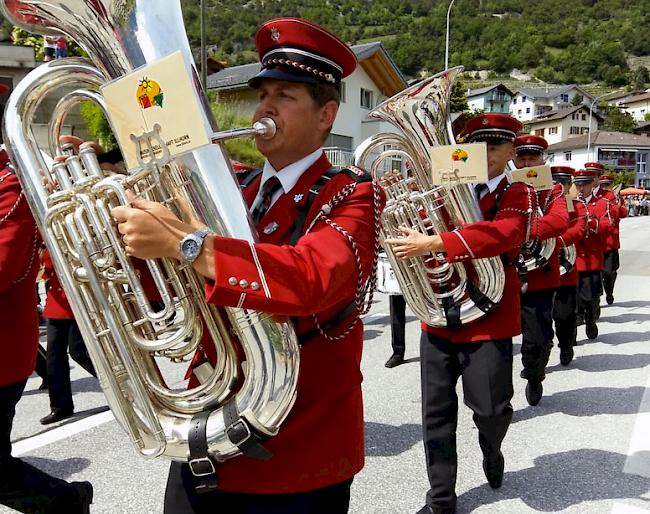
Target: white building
556 126
618 151
528 103
494 98
638 106
375 79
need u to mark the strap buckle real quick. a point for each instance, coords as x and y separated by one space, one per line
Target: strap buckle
239 432
202 467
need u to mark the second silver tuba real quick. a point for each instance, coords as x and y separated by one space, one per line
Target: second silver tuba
134 342
439 293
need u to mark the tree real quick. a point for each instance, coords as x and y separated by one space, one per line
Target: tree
641 76
622 177
647 116
618 120
458 97
577 100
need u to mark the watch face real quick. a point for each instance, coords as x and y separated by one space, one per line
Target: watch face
190 249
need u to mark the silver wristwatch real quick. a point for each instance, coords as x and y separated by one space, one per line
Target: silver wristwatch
191 244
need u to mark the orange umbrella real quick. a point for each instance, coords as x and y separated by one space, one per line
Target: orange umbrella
632 191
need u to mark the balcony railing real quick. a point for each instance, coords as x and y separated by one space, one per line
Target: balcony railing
339 156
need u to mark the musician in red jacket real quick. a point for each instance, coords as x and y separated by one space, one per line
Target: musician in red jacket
589 260
564 303
22 486
312 270
537 299
613 243
479 351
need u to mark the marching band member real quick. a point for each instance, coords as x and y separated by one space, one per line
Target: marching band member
312 270
22 486
537 300
617 211
481 351
589 260
564 303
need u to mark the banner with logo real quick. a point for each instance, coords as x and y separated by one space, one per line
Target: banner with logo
459 164
161 93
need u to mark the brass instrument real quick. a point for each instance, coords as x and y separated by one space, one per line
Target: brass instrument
133 342
432 287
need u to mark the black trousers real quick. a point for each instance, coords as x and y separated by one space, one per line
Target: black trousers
564 315
41 363
22 486
182 498
61 335
486 371
612 263
397 306
537 332
590 289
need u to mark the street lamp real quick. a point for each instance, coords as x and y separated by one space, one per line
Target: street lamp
204 57
591 108
447 39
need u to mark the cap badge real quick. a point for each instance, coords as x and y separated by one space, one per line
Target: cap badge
271 227
275 34
298 198
485 121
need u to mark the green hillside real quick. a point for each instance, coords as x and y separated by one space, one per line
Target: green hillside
556 41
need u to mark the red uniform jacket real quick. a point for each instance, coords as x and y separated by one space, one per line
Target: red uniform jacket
575 232
321 442
19 263
554 221
617 211
502 233
590 249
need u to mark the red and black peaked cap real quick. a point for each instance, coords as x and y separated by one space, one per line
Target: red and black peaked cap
297 50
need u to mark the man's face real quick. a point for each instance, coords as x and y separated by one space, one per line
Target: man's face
585 188
529 159
498 156
301 124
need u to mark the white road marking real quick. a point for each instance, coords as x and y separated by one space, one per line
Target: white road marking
622 508
369 318
637 462
52 436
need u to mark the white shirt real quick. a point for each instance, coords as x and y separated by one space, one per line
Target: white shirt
288 176
493 183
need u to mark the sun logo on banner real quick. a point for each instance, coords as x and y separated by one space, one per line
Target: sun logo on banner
149 93
459 155
532 174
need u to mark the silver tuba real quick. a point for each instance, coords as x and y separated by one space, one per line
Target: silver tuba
439 293
567 258
136 345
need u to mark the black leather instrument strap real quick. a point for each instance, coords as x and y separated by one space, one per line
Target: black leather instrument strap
241 435
200 462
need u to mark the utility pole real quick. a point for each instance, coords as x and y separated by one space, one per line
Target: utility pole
447 39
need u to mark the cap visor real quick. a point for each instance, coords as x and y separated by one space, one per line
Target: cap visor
278 73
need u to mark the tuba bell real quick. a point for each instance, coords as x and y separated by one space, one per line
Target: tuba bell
439 293
132 341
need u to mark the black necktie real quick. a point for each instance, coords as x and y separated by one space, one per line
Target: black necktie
479 190
269 188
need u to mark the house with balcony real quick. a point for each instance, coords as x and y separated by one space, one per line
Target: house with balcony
529 103
494 98
376 78
638 106
619 151
568 122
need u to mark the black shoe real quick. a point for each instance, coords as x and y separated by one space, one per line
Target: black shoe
566 355
592 331
55 416
493 468
534 391
610 299
523 374
43 386
429 509
85 492
395 360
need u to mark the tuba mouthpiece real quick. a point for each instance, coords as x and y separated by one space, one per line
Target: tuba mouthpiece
265 128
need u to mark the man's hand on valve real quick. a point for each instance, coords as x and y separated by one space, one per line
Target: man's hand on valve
415 244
